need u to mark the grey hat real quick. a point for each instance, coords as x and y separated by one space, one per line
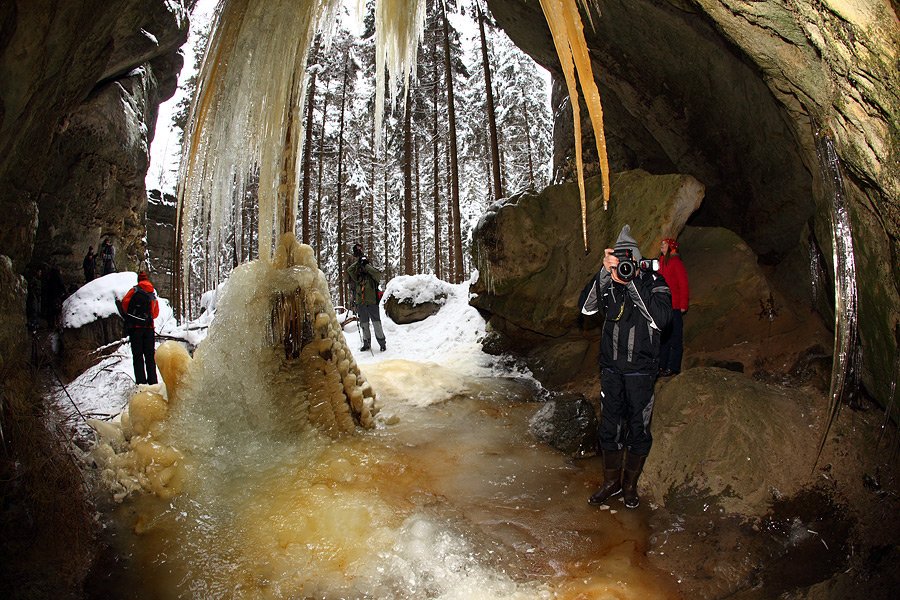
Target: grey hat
626 241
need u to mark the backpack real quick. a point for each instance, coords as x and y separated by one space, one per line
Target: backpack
138 314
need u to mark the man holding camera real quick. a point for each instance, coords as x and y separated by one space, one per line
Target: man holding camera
365 280
637 305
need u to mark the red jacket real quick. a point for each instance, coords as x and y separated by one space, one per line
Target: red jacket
672 269
154 305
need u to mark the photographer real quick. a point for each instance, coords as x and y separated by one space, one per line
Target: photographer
365 280
637 305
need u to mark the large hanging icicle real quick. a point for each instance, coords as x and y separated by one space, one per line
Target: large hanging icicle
245 120
568 37
245 126
399 25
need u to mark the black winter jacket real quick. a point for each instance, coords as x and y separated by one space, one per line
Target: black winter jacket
636 315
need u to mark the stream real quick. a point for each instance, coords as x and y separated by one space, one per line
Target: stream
449 498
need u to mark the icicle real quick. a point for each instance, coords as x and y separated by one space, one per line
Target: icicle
244 118
568 37
399 26
845 293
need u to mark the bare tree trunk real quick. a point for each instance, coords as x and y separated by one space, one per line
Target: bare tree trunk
419 264
451 247
340 181
386 231
319 175
370 239
454 164
408 268
307 149
436 171
528 142
492 119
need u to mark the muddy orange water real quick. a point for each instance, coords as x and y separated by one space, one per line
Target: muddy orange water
453 500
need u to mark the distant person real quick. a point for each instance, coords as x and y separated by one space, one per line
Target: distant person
108 257
33 302
636 304
672 269
53 292
139 308
365 280
89 265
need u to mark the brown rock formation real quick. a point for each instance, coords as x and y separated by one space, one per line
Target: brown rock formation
737 94
81 87
530 256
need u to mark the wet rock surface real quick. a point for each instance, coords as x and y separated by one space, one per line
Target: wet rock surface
530 255
568 423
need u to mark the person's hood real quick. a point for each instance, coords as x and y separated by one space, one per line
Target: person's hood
146 286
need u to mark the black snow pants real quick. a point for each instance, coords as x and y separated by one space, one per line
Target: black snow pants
626 404
143 349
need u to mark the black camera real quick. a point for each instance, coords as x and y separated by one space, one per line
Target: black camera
628 268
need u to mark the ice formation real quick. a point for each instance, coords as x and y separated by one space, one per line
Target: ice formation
275 363
568 37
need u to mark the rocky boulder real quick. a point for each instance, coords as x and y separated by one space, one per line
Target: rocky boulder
720 434
530 256
414 298
567 423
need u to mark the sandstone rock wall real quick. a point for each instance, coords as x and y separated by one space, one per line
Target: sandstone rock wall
161 240
737 94
81 83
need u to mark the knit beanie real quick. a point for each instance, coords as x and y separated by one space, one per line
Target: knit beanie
625 241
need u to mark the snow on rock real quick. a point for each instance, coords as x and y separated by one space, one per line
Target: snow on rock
418 289
96 300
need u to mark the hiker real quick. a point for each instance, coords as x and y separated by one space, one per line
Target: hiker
108 257
53 292
636 305
139 307
673 271
89 265
33 308
365 280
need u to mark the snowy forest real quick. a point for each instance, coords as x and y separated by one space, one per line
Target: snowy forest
474 126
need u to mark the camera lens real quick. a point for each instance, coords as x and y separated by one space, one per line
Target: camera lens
625 270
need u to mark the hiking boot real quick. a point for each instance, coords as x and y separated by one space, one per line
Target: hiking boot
612 477
634 464
364 347
382 344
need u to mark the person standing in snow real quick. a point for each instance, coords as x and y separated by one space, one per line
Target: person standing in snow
108 257
139 308
89 265
637 306
365 280
672 269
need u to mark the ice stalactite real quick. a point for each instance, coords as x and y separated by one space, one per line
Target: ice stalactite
245 120
568 38
846 355
399 25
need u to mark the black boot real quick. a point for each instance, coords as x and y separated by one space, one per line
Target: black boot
612 477
365 347
634 464
382 344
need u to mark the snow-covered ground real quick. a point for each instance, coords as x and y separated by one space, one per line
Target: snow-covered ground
424 362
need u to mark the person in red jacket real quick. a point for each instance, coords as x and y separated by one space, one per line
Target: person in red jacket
139 308
672 269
